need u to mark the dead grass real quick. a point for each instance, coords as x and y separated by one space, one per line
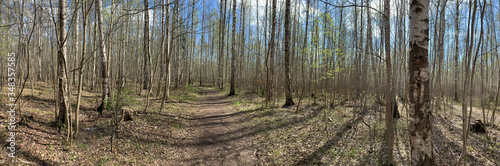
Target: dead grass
314 134
145 140
337 136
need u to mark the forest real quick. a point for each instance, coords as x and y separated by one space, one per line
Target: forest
249 82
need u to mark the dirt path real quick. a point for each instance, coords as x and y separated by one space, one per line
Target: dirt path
217 135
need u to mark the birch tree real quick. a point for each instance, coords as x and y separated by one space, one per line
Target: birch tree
420 112
104 62
63 93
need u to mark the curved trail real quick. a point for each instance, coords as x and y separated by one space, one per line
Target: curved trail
218 134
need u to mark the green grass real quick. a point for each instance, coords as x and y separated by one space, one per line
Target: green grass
176 125
192 89
240 102
84 146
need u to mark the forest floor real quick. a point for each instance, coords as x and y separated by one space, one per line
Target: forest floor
203 126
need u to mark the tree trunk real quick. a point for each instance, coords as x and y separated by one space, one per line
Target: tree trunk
241 82
420 113
270 52
63 93
146 52
82 63
168 42
232 90
440 55
104 63
202 44
467 80
258 54
388 93
288 85
220 55
193 42
457 31
304 44
93 78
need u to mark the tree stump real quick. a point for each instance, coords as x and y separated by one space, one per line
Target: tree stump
127 114
478 127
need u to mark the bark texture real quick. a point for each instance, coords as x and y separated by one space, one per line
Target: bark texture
146 68
232 90
420 112
104 66
62 65
388 93
288 86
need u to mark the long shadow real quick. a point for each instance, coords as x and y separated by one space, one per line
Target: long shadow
35 159
51 102
90 96
177 102
211 117
39 99
317 154
223 157
228 154
82 108
485 147
247 131
50 125
438 135
37 138
217 103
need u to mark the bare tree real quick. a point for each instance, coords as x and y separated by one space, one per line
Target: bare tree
455 58
220 57
304 44
288 84
85 13
440 53
232 90
147 58
420 113
388 93
193 42
168 40
469 77
104 62
63 94
270 53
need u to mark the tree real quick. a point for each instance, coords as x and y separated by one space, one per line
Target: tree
270 54
193 42
63 94
440 53
168 40
232 90
288 84
420 112
388 93
455 58
104 62
469 76
148 74
220 58
304 44
85 13
239 77
147 59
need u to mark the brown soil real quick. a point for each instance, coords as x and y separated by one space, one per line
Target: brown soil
218 135
203 126
194 130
